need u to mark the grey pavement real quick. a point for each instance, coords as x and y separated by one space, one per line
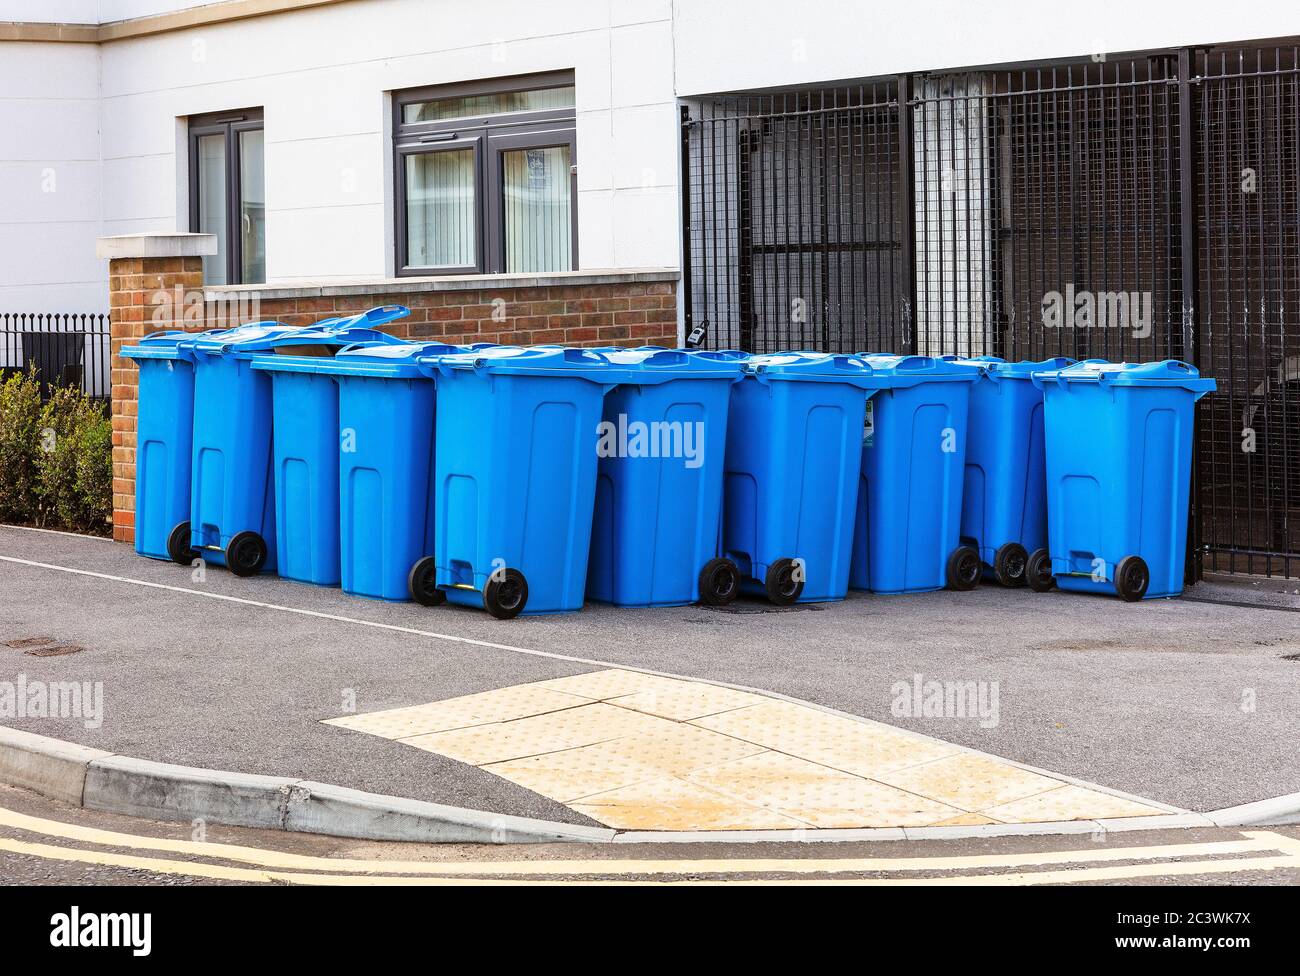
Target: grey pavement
1191 702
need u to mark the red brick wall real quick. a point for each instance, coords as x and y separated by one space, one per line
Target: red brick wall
141 294
616 314
624 314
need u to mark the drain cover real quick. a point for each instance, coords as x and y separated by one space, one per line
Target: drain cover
56 650
20 643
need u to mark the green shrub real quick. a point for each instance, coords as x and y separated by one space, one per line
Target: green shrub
56 458
75 464
20 445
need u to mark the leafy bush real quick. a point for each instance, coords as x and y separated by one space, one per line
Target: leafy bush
56 458
20 444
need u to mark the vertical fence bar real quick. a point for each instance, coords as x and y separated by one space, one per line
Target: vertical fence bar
907 216
688 239
1189 338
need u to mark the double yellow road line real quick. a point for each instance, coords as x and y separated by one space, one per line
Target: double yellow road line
1255 851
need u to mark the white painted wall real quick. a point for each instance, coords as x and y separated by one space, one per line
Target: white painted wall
726 45
50 179
106 119
322 75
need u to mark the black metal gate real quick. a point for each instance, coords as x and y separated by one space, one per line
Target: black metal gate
1143 207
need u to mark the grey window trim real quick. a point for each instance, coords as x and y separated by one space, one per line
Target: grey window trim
229 125
491 135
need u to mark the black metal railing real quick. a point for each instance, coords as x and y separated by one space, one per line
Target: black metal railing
1131 208
63 349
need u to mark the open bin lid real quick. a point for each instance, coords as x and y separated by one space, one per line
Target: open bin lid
371 318
331 333
554 361
1168 373
812 367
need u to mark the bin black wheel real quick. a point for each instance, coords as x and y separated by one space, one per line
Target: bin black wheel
1132 578
178 545
783 585
1038 571
719 582
964 568
246 554
506 594
422 584
1009 564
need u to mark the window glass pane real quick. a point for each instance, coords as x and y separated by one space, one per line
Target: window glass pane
535 200
494 104
252 207
212 204
441 211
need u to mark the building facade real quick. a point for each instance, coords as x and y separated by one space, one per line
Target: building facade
923 178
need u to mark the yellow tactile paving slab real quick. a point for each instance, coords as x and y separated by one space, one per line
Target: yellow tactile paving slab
644 752
576 773
502 705
966 820
674 804
864 749
537 734
970 781
1069 803
687 701
612 683
817 795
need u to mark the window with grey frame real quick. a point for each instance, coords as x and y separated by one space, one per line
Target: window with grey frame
486 176
228 194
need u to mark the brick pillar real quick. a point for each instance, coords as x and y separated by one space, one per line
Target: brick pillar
153 281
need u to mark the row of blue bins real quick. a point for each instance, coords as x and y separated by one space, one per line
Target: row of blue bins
338 455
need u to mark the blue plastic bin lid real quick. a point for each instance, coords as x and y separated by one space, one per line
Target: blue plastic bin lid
168 344
253 337
657 364
370 319
391 360
814 367
532 361
1166 373
900 371
997 368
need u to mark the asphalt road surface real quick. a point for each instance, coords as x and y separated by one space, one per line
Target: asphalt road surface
45 842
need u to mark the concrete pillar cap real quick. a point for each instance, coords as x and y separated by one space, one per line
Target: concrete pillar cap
156 245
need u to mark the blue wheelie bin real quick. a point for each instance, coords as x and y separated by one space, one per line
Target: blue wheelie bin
793 457
305 441
164 438
1119 463
1004 496
515 479
384 447
913 452
232 491
663 436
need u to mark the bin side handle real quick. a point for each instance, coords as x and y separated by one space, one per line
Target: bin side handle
384 313
843 361
668 357
579 355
